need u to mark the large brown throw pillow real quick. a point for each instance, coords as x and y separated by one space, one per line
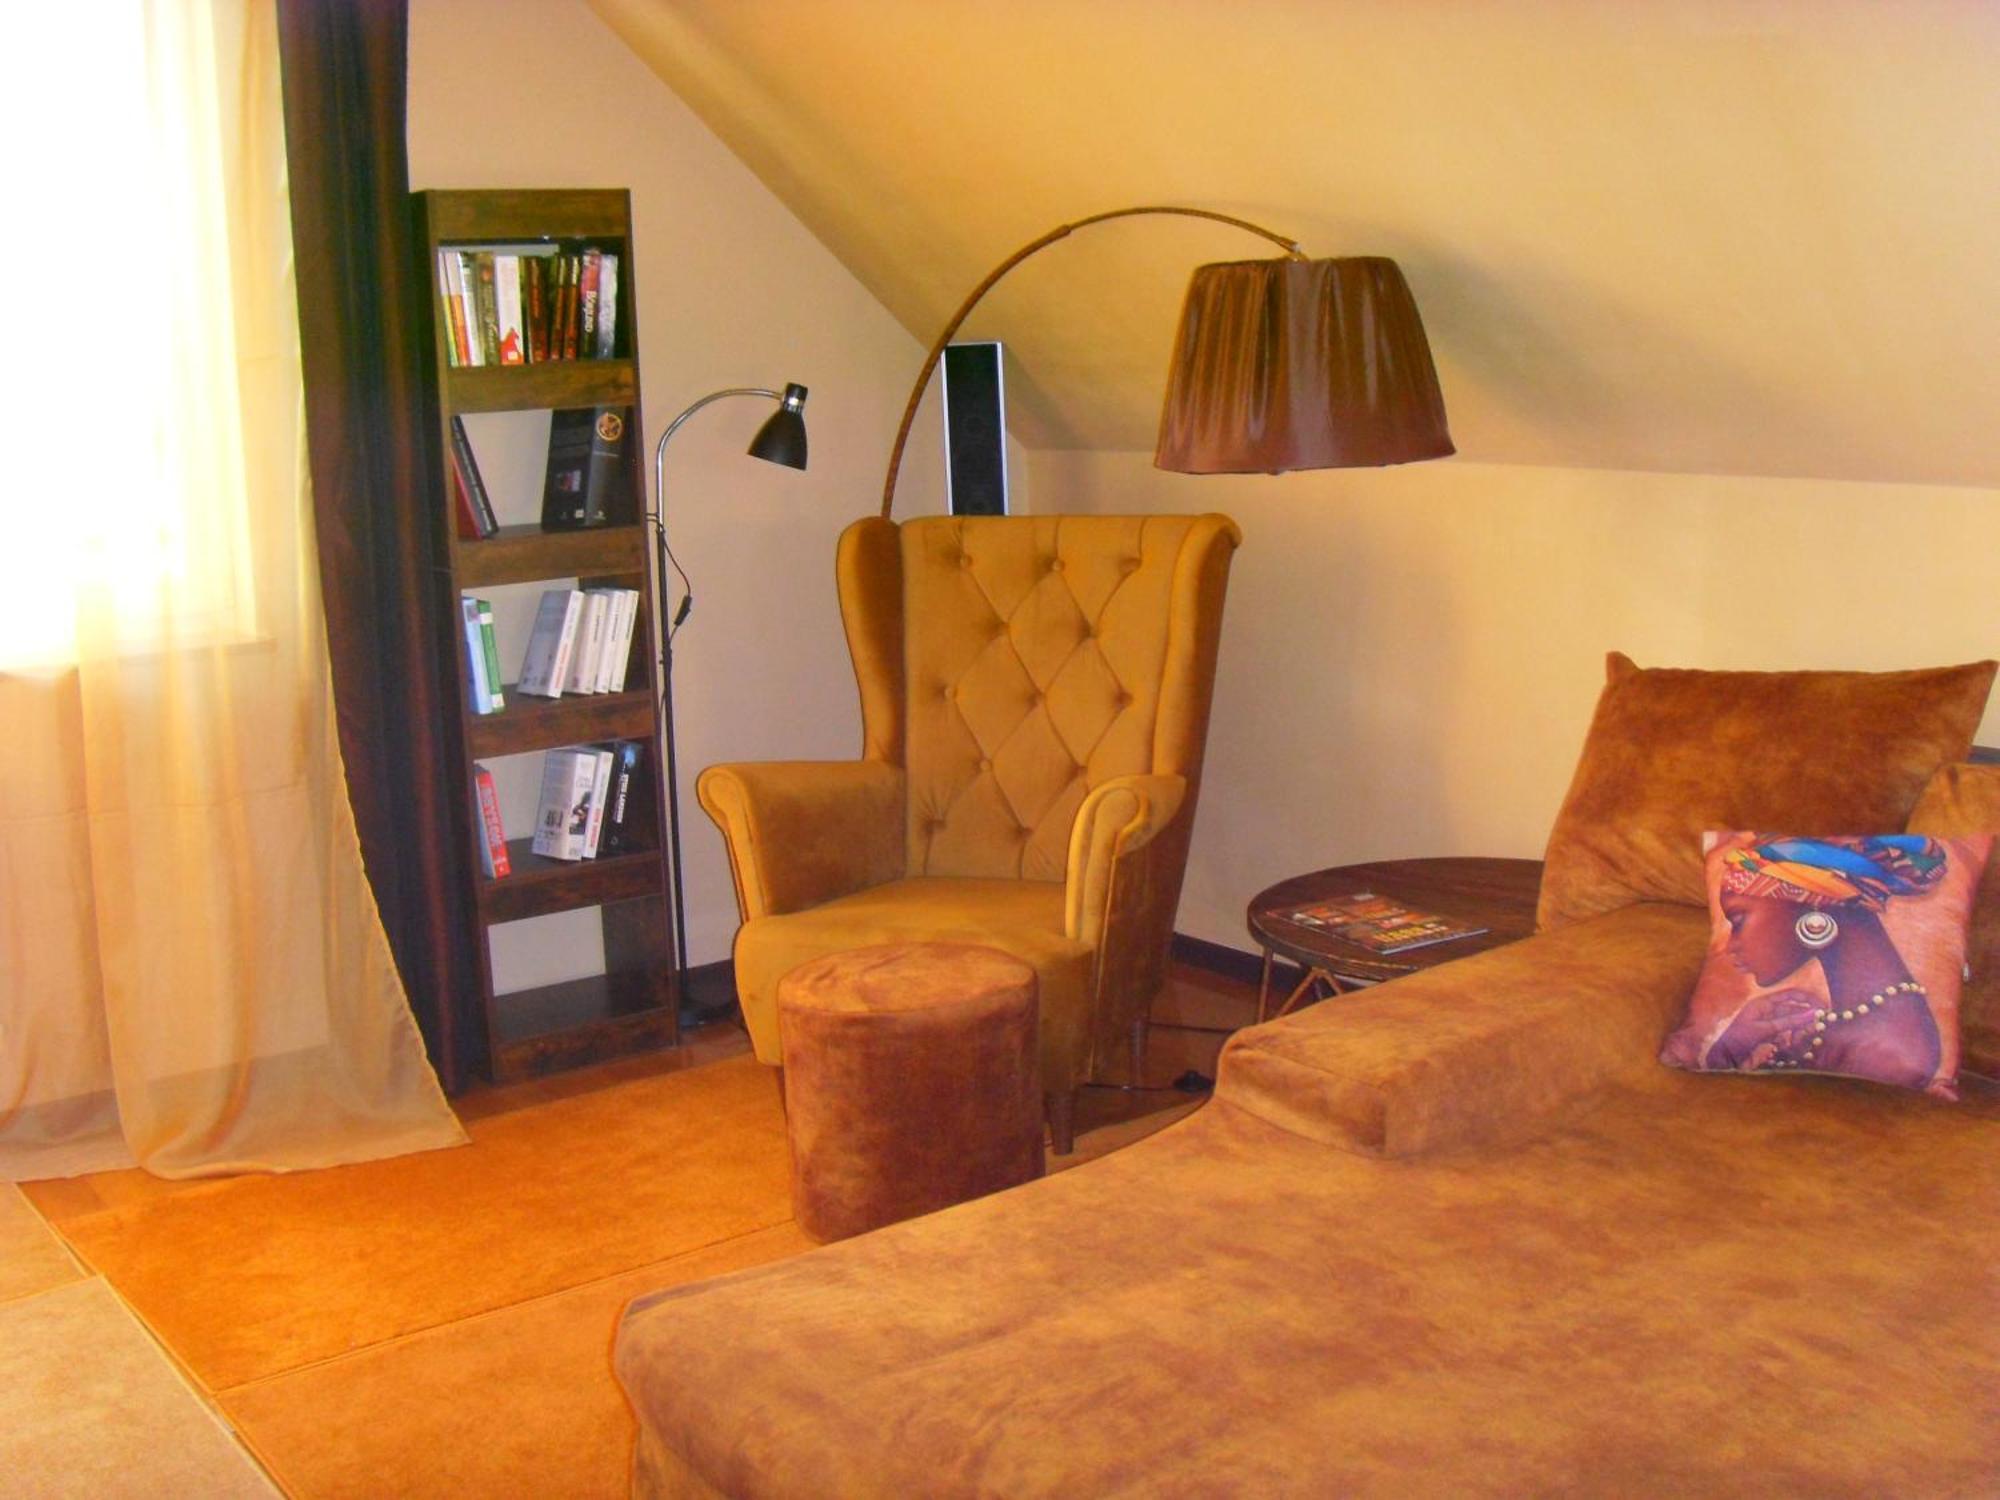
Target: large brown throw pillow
1963 800
1672 753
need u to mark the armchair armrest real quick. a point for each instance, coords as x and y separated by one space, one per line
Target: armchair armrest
801 833
1119 817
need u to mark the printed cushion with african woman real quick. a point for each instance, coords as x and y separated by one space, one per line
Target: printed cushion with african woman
1833 955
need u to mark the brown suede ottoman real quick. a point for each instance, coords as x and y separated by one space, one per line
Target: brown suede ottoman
1420 1265
912 1082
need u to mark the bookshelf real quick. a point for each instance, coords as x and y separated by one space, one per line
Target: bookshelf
630 1006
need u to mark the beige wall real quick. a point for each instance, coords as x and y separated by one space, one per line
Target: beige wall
733 291
1411 655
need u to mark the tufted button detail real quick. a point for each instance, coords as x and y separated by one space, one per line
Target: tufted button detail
1056 566
1129 565
1123 700
965 559
984 764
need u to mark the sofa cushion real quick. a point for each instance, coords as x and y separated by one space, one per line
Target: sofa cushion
1698 1287
1485 1048
1965 799
1671 753
1838 955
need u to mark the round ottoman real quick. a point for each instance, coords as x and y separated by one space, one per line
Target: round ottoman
912 1082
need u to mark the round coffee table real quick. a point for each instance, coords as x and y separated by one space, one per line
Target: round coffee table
1497 894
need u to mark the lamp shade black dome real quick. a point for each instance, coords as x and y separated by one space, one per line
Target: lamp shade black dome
782 438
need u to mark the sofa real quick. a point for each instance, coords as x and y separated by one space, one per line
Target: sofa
1459 1234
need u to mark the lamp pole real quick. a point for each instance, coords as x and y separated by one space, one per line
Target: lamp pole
781 440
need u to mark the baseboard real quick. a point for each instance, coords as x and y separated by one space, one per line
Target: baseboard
1217 958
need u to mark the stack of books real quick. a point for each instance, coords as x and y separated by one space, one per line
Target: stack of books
586 806
581 642
527 304
482 658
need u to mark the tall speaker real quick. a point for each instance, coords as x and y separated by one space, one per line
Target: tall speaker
975 429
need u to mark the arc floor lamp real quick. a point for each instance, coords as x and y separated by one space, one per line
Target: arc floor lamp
1280 364
781 440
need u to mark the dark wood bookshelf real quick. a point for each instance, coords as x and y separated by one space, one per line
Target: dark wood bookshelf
524 554
537 885
559 383
577 1021
530 723
632 1005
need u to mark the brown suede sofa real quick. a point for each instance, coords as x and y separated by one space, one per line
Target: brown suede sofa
1461 1234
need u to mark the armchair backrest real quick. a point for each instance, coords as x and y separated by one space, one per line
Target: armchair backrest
1011 664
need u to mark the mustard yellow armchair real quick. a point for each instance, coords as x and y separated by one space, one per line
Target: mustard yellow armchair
1034 697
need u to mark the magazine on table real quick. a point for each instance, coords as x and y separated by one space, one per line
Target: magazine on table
1378 923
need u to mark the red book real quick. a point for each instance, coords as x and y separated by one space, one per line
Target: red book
573 280
494 838
468 518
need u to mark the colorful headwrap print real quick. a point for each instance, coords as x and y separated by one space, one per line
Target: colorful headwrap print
1835 872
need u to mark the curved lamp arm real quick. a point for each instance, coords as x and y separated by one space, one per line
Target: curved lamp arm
660 493
1061 231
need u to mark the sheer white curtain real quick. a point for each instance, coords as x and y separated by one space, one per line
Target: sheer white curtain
193 975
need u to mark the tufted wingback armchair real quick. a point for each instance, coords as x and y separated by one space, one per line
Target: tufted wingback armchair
1034 696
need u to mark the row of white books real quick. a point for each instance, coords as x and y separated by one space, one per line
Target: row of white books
581 642
580 785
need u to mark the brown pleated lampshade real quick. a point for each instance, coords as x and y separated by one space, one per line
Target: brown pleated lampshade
1300 364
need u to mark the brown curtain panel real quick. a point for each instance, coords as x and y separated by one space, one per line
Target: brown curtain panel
346 87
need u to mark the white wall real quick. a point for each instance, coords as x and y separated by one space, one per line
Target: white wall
732 291
1410 656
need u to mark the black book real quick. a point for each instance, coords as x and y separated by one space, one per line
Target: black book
620 832
468 473
587 482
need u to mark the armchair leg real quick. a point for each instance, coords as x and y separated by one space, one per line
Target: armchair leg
779 1074
1137 1045
1061 1111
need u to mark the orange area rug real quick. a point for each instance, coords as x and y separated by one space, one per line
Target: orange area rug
441 1325
252 1276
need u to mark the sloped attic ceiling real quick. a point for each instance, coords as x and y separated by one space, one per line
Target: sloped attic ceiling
1719 236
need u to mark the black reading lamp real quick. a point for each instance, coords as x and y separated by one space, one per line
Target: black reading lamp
781 440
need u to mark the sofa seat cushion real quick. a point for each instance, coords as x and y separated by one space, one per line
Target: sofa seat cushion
1696 1287
1021 917
1481 1049
1673 753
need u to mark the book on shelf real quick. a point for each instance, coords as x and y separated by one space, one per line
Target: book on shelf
551 643
465 471
484 679
619 834
493 858
488 308
615 658
491 648
507 308
562 820
1378 923
600 788
586 482
527 303
589 643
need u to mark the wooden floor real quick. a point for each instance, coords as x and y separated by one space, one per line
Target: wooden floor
335 1406
1191 1019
